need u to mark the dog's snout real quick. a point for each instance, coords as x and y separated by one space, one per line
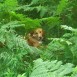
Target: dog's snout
40 38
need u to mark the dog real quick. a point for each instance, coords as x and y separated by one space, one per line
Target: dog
35 37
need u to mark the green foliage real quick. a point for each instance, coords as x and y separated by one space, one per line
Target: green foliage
14 47
42 7
62 5
8 5
63 48
50 69
23 75
74 72
19 17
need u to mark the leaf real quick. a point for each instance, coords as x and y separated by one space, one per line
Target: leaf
62 5
34 2
51 69
11 4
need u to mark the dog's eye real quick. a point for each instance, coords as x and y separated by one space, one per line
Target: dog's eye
36 33
40 31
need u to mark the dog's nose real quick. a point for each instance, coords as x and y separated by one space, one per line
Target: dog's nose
40 38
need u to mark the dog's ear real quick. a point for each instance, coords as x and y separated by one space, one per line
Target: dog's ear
31 33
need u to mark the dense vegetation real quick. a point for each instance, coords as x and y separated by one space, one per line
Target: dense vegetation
57 56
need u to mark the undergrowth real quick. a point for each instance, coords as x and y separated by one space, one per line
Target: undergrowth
56 57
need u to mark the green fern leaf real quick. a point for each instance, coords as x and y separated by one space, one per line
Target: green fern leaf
62 5
51 69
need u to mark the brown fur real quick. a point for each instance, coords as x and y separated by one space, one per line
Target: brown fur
35 37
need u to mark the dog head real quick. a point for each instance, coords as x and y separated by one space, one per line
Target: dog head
37 34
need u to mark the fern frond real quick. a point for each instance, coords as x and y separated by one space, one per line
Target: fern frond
12 24
51 69
23 75
74 74
40 8
11 55
31 24
62 5
69 28
51 21
9 5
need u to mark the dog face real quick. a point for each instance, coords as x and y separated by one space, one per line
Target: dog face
35 37
38 34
